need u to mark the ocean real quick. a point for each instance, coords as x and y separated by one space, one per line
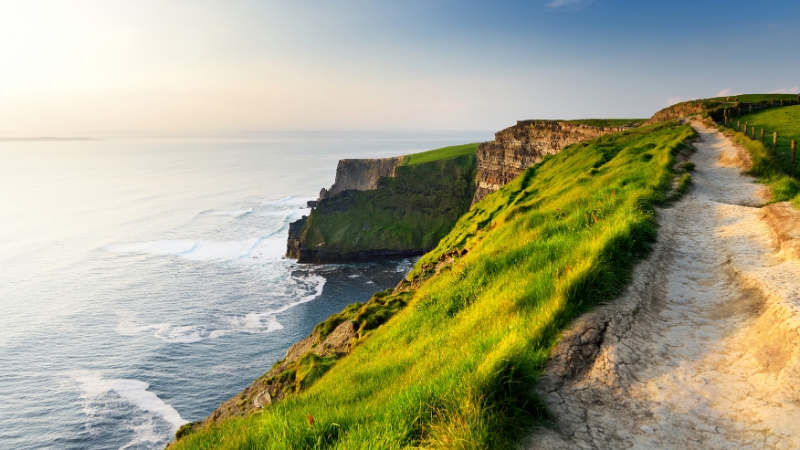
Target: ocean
143 282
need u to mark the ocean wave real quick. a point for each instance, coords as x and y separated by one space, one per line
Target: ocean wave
299 201
268 248
95 391
405 266
256 322
236 213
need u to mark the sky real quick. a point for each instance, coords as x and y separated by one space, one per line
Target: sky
100 67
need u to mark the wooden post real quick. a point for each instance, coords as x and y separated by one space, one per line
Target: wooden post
738 125
794 149
762 135
750 108
781 102
745 128
753 133
775 143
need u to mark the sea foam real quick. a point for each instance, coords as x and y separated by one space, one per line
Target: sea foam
94 393
254 322
269 248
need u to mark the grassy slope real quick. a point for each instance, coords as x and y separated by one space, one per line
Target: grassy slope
454 368
605 123
409 212
440 153
775 172
754 98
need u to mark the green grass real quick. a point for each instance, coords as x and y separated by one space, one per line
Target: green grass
776 172
786 121
440 153
754 98
455 368
607 123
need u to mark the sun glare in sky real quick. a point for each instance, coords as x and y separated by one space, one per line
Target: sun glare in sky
98 67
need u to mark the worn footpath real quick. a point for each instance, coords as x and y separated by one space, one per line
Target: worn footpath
703 350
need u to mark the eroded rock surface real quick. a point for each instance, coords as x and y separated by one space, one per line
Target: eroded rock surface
361 174
523 145
703 351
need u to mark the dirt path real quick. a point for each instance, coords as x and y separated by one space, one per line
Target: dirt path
703 350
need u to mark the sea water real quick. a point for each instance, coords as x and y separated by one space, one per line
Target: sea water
143 280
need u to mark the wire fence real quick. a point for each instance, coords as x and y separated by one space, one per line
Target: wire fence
782 148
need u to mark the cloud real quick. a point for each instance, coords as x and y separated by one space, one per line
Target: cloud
573 5
724 93
672 100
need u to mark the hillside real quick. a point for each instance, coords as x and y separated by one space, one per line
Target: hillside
449 358
399 209
775 171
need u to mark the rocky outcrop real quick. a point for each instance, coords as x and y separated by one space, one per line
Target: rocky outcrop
379 209
293 243
361 174
283 378
523 145
678 111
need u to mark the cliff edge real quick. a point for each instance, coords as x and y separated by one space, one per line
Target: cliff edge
386 208
518 147
361 174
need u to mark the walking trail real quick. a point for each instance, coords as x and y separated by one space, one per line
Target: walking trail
703 350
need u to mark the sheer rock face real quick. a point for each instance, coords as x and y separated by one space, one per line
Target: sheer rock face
523 145
361 174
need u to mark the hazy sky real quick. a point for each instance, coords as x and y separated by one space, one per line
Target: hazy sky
83 67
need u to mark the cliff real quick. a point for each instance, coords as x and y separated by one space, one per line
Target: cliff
361 174
386 208
452 354
523 145
680 111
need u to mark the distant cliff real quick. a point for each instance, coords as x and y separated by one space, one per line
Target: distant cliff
523 145
680 111
361 174
386 208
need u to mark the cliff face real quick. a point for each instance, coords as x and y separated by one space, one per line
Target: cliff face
367 216
361 174
523 145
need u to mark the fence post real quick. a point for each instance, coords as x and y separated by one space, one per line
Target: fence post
762 136
745 128
738 125
775 143
794 148
753 133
